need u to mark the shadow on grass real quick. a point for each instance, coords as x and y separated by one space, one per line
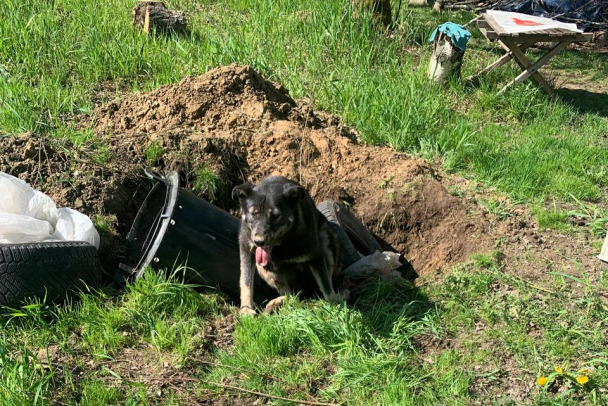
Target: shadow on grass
387 308
585 101
385 305
582 59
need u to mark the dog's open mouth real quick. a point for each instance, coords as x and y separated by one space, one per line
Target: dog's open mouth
262 255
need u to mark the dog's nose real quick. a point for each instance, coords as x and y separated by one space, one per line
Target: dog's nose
259 240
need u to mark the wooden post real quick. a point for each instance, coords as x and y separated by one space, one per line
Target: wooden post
446 60
154 15
604 252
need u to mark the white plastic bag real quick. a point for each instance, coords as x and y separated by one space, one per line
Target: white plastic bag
17 197
16 228
75 226
28 215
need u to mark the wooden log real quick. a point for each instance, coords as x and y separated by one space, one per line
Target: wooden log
421 3
153 16
437 6
446 60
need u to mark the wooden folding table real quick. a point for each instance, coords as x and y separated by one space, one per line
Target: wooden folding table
516 43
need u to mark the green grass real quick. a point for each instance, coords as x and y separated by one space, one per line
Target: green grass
153 153
466 341
159 315
449 343
553 219
594 219
206 181
58 55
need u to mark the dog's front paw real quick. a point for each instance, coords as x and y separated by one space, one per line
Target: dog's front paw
247 311
336 298
275 304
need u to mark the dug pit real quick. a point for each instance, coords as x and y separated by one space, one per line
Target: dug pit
231 125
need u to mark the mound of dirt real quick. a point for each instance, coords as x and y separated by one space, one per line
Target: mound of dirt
232 125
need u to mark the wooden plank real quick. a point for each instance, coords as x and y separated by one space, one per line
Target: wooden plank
503 45
491 35
481 23
541 37
604 252
499 62
494 25
542 61
521 59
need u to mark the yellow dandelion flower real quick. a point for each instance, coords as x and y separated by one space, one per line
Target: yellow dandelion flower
583 379
558 369
583 371
542 381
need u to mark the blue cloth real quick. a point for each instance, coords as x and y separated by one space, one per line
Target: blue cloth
457 34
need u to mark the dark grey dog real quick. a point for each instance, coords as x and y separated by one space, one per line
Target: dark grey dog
287 239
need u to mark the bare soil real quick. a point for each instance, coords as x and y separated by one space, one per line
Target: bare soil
243 127
236 123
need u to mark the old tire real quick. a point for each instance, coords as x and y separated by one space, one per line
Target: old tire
349 252
359 235
47 271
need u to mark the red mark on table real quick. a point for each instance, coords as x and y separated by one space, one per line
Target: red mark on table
526 22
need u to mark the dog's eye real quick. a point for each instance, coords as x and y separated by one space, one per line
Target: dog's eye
274 216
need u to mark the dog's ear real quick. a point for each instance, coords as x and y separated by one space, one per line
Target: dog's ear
292 191
242 191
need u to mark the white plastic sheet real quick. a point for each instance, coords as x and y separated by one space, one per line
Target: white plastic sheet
28 215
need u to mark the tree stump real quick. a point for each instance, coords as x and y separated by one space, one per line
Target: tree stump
446 60
421 3
154 16
381 10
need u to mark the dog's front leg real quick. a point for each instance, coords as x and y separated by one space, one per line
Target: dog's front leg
246 283
278 282
323 278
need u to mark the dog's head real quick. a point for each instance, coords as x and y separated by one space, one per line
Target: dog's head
269 210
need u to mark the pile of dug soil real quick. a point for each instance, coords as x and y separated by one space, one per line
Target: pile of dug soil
235 124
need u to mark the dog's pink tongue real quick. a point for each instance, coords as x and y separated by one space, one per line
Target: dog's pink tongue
262 255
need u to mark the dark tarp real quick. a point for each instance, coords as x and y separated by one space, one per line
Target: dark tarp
589 15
